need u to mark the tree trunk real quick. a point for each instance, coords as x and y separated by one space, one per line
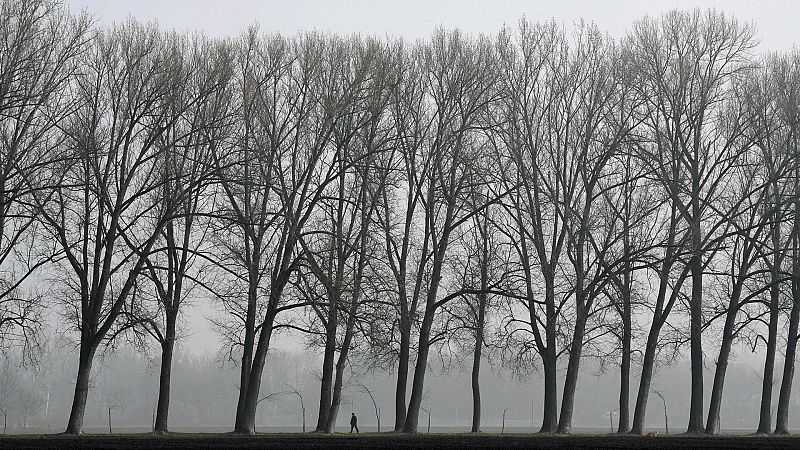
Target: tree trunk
402 375
245 423
696 343
421 366
713 424
627 328
647 376
327 372
549 363
571 380
479 327
550 408
85 359
782 419
625 369
336 398
476 385
662 310
167 350
583 304
247 349
765 416
418 383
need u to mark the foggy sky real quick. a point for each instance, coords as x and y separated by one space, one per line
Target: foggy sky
413 19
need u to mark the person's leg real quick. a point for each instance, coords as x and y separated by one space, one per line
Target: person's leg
357 429
351 428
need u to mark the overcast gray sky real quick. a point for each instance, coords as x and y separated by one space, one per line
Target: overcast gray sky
777 21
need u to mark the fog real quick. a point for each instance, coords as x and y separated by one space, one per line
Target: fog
416 19
204 395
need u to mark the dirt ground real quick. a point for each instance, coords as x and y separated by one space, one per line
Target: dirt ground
379 441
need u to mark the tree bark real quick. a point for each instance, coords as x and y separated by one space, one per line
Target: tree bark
402 375
765 415
414 404
247 348
418 383
647 376
85 359
625 367
476 387
549 363
627 328
477 354
713 424
662 310
167 351
326 384
336 398
245 422
696 330
571 379
782 419
480 325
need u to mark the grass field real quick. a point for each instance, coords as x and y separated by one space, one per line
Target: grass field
440 441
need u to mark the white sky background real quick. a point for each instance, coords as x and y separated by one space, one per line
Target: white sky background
777 22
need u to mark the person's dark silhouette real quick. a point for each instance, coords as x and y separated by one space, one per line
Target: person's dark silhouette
353 423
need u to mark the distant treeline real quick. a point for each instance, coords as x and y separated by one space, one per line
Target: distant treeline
538 197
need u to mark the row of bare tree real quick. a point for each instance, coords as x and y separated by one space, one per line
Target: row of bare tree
550 194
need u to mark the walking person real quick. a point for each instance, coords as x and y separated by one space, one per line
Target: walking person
353 422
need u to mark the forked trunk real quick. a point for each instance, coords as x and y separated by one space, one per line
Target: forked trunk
246 421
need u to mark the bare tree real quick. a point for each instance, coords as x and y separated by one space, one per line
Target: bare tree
533 59
481 268
787 87
687 60
399 210
459 77
101 213
604 120
40 47
294 94
177 264
337 249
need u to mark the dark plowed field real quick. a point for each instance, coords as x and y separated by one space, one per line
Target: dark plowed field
437 441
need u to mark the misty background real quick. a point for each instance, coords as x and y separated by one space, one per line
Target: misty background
205 389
